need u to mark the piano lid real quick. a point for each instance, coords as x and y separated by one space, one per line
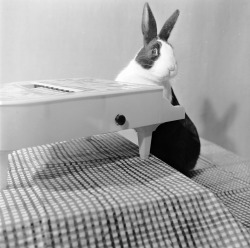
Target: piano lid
62 89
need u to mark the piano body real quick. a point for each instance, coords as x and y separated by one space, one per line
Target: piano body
41 112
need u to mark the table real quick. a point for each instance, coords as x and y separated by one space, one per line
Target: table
98 193
46 111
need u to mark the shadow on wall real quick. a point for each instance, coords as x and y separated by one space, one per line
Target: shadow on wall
216 128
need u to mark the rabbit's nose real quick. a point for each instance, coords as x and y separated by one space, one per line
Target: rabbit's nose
172 68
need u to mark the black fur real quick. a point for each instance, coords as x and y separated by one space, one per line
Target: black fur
146 56
148 25
168 26
177 143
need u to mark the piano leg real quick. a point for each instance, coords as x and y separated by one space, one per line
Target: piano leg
144 139
4 167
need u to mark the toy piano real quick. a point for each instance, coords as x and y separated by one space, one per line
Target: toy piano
41 112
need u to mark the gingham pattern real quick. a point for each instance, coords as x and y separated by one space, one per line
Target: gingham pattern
99 193
227 176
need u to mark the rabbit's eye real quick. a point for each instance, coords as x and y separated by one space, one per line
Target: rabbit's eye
155 52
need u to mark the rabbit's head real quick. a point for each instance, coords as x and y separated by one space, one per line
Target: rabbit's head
155 62
157 54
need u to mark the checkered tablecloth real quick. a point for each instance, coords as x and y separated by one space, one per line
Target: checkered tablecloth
227 176
98 193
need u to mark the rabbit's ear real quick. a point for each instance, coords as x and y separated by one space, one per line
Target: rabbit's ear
149 29
168 26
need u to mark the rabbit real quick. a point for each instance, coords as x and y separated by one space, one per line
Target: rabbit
176 143
155 62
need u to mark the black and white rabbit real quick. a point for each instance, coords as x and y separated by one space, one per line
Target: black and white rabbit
176 143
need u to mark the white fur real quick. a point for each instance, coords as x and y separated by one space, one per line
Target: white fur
161 72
